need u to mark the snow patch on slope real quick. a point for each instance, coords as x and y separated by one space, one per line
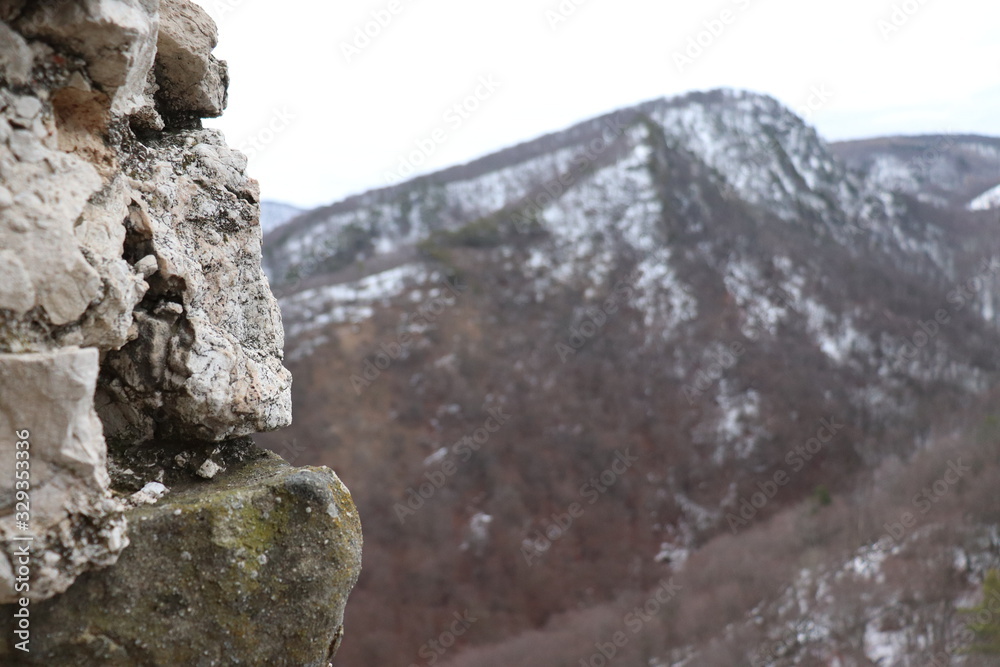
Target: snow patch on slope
987 201
617 207
348 302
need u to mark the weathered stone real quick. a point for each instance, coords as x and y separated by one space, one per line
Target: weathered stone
47 402
252 568
143 246
207 360
38 228
15 56
75 276
100 232
191 80
17 294
116 38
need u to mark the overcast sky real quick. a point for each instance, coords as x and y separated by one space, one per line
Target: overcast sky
323 114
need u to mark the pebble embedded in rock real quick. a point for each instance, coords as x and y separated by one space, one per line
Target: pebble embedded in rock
27 108
148 494
209 469
146 266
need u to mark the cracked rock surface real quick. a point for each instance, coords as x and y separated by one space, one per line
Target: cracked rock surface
206 362
126 228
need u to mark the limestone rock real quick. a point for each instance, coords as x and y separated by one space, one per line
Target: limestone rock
191 80
74 522
92 217
38 226
116 39
63 280
133 307
15 56
207 360
251 568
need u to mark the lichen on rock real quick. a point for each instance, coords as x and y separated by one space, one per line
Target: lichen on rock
253 568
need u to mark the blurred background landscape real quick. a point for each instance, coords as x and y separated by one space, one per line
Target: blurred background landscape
688 378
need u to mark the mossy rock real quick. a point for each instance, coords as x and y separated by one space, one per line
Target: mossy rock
253 567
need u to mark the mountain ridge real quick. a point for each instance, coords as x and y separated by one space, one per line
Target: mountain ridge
603 289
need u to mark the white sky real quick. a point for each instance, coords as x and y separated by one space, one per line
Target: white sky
354 121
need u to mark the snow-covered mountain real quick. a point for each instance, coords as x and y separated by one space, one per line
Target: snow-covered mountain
700 280
274 214
942 170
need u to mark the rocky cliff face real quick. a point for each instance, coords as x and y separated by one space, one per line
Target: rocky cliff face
133 309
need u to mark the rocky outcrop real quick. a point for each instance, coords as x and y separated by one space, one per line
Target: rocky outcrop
133 311
144 244
206 362
192 81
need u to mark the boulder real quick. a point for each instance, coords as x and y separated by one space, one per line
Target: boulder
253 567
192 82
